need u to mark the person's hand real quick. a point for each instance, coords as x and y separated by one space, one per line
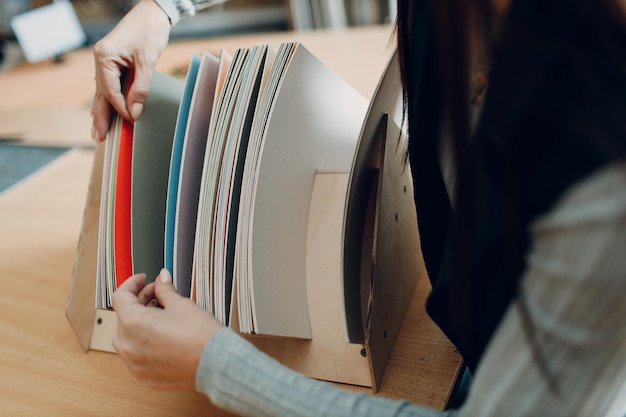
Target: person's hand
136 42
161 346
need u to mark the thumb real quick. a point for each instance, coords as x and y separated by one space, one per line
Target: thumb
164 289
139 91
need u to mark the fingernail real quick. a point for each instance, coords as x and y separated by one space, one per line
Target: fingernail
165 276
136 110
93 134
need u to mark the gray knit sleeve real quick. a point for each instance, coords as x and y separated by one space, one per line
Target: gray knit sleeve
240 379
179 9
573 294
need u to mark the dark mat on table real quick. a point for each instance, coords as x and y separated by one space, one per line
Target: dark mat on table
19 161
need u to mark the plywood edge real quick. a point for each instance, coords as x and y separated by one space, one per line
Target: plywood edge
327 355
80 305
104 328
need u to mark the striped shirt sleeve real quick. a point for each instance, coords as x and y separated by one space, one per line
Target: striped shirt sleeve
179 9
570 316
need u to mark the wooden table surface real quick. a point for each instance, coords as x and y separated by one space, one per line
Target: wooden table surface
43 369
39 101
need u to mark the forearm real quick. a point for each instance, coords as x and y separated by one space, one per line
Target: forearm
574 290
239 378
179 9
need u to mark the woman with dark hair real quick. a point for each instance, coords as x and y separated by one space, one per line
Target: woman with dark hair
520 190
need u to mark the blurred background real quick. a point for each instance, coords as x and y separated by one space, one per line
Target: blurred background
97 17
48 35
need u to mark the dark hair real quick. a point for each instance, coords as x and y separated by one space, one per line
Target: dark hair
463 32
439 43
541 41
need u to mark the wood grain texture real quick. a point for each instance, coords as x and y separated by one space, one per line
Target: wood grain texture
49 104
43 368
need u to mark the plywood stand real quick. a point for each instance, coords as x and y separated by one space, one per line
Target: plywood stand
388 275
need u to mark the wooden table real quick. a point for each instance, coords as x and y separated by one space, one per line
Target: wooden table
48 103
43 369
